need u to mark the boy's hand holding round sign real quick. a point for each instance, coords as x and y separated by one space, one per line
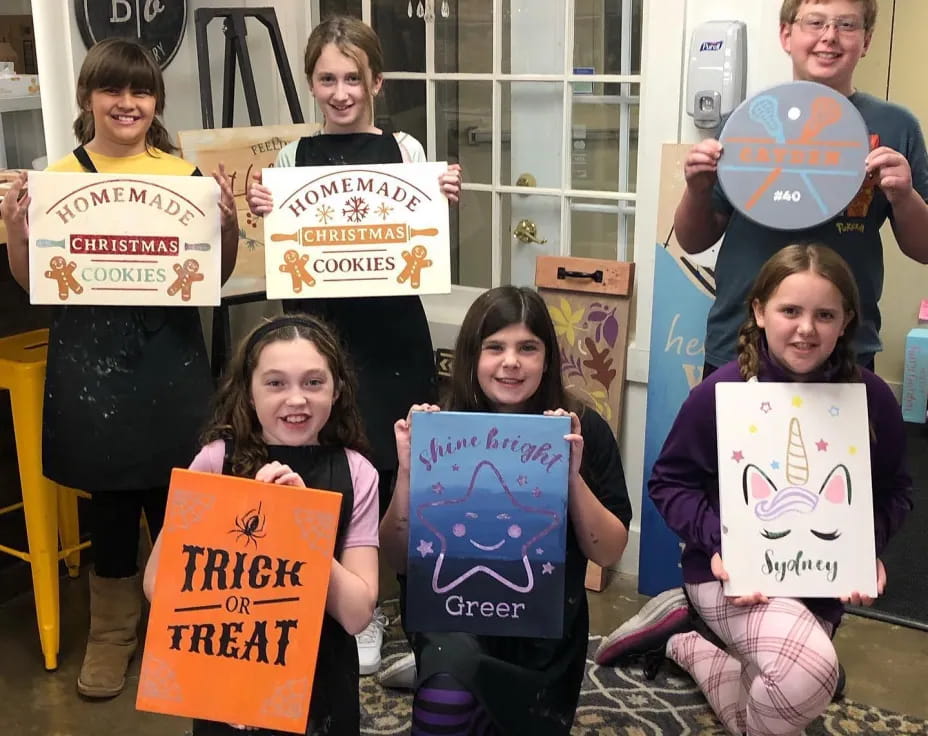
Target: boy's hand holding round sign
793 155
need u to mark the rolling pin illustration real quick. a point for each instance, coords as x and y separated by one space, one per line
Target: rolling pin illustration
354 234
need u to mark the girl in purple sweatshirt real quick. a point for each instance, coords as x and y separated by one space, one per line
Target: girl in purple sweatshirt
778 669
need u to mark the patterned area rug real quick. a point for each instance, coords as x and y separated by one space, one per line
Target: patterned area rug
619 702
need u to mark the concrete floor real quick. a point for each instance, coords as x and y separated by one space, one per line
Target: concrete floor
886 666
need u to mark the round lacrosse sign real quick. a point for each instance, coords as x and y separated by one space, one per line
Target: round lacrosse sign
793 155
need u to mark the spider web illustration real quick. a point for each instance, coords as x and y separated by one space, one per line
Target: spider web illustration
158 681
316 527
187 509
287 700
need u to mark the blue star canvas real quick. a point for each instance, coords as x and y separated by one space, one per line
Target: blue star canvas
487 526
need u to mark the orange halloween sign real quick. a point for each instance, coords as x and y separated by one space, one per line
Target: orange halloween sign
239 600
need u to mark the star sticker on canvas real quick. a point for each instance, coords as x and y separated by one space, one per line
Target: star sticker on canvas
775 465
437 488
797 402
834 411
547 569
424 548
766 407
737 456
822 445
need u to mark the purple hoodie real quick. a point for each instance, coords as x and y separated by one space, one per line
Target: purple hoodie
684 483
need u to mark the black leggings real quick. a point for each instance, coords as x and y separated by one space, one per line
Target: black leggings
114 528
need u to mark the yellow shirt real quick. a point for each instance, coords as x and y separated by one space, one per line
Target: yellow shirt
154 161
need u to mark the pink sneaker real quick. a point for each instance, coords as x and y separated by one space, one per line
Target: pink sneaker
649 629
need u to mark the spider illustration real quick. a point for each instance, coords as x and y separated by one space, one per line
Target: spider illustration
250 525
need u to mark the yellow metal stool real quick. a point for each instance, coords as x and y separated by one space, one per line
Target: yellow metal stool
50 509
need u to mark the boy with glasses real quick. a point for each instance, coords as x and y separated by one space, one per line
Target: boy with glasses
825 39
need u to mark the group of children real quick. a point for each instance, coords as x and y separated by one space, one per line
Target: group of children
318 398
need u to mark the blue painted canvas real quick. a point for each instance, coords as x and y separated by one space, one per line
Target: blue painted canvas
487 527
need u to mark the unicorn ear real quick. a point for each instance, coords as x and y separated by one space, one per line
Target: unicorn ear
837 486
757 486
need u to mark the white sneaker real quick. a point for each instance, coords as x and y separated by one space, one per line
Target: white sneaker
401 673
369 643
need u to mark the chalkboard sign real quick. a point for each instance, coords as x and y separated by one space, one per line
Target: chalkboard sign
156 24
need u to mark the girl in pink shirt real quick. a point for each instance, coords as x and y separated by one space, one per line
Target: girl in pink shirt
287 413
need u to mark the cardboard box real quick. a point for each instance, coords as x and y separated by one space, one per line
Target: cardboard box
17 31
915 376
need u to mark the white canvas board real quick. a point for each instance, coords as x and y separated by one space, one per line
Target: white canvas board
124 239
348 231
795 489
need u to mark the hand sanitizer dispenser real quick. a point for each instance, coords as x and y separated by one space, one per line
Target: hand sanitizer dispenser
715 82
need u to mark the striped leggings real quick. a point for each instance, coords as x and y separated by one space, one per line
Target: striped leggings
442 706
779 671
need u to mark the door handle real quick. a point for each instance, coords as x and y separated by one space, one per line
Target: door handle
527 232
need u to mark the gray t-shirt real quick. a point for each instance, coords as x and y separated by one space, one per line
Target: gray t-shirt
854 234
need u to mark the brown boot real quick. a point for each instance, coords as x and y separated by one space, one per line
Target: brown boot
115 607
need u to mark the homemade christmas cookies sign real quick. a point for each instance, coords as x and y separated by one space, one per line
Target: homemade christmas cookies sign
123 239
343 231
239 599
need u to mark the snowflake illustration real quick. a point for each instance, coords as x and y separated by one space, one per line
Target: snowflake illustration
324 213
384 210
355 209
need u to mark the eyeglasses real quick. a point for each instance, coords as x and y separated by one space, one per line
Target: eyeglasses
817 23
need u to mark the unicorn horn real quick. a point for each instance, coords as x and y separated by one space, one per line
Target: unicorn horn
797 464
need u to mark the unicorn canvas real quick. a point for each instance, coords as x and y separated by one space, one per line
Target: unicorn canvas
795 491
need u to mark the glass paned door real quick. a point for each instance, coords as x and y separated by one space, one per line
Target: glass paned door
538 101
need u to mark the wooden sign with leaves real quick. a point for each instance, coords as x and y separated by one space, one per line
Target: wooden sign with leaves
589 300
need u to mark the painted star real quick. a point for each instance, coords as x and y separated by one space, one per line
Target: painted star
822 445
437 488
753 429
539 550
834 411
775 465
514 541
766 407
536 492
424 548
852 450
455 468
737 456
547 569
797 402
522 480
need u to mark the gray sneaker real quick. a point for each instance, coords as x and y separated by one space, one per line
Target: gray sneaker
400 673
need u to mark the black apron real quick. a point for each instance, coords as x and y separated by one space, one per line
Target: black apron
386 337
334 708
127 391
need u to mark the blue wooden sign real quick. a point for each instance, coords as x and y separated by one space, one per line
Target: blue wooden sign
487 527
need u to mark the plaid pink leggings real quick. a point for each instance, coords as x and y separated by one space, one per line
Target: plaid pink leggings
780 669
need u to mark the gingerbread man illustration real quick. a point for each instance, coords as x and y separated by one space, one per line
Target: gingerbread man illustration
63 272
187 275
295 265
415 262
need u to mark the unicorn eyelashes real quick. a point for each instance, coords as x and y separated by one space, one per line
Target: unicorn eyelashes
773 504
